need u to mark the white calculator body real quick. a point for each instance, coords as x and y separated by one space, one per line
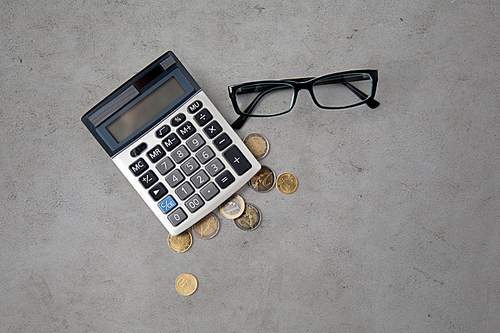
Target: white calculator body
171 143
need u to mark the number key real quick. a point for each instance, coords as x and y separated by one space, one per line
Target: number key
174 178
194 203
165 166
184 191
190 166
205 154
214 167
195 143
180 154
200 178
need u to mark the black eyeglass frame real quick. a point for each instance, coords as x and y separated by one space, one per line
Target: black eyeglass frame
307 84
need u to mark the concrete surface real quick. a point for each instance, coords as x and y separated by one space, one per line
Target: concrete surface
395 224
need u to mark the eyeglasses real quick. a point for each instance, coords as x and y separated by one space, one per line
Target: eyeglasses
331 92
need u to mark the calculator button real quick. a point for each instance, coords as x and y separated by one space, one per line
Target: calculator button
148 179
165 166
178 119
213 129
180 154
222 141
158 191
209 191
190 166
184 191
195 106
237 160
205 154
186 130
199 179
177 217
195 142
203 117
171 141
138 167
194 203
174 178
138 150
156 153
162 131
214 167
167 204
225 179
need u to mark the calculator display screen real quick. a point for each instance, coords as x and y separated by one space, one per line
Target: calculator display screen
144 110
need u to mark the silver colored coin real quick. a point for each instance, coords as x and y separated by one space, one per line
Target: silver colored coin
257 144
250 220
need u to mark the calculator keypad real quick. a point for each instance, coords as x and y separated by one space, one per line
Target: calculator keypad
191 162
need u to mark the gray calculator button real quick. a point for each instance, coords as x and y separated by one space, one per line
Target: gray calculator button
190 166
205 154
209 191
184 191
174 178
194 203
180 154
195 142
200 178
177 217
214 167
165 165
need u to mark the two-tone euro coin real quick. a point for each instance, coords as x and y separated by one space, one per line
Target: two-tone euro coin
207 227
250 220
233 207
257 144
264 180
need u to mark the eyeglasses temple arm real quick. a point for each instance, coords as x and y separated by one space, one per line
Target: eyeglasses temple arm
372 103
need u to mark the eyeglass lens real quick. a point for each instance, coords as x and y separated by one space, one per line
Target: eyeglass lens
265 99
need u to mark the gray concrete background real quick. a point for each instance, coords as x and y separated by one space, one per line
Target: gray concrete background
395 224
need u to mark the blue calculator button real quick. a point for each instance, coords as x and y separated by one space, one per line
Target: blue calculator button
167 204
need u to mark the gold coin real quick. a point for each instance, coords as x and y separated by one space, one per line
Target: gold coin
233 207
257 144
180 243
286 183
186 284
207 227
264 180
250 219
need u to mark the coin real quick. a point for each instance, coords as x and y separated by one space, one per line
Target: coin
186 284
180 243
286 183
264 180
257 144
233 207
250 219
207 227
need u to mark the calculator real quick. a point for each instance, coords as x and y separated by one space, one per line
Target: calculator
171 143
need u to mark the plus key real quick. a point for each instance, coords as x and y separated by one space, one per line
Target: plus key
237 160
